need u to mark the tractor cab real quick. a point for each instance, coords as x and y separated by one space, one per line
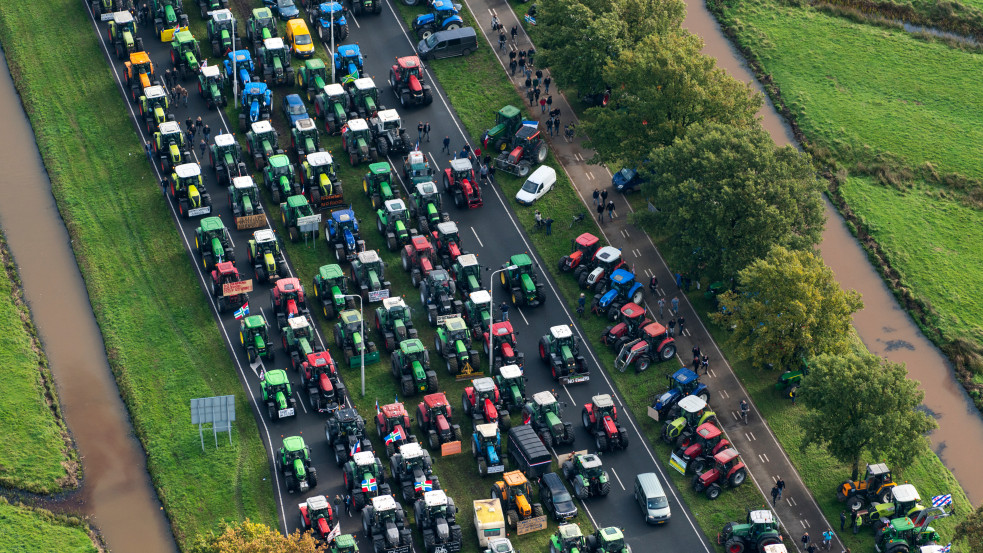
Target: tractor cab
545 402
904 502
245 193
154 106
682 383
141 65
428 199
477 310
188 190
211 81
254 335
582 251
685 416
121 23
348 63
611 539
728 470
169 141
396 308
507 122
239 65
316 513
488 435
603 406
416 168
365 95
332 106
186 53
461 169
621 288
221 30
407 70
257 98
460 182
466 270
448 239
261 25
395 210
877 475
568 538
389 121
604 262
306 139
288 298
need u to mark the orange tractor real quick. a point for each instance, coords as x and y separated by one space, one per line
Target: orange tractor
139 73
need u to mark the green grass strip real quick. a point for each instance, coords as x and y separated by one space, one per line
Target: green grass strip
27 530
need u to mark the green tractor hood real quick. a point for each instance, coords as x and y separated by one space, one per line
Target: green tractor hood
214 91
218 251
128 39
267 147
419 375
169 15
285 184
552 420
336 292
299 470
473 283
460 349
339 110
281 400
362 146
370 104
432 212
259 342
385 190
374 279
266 33
191 60
269 263
566 354
401 229
174 151
528 286
305 348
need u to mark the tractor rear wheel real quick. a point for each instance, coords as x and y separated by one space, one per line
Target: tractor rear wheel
713 492
735 545
668 352
513 518
738 478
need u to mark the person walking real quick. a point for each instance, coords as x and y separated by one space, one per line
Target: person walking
781 488
529 95
536 91
774 495
549 126
682 322
546 83
696 351
202 146
337 506
426 130
596 195
827 539
501 40
805 536
549 101
189 124
549 226
672 327
811 548
696 364
535 82
542 104
206 131
604 195
662 306
348 505
610 209
150 152
705 363
184 96
447 145
528 82
419 131
167 78
514 31
199 124
522 62
842 520
675 304
513 65
191 136
504 308
567 132
600 213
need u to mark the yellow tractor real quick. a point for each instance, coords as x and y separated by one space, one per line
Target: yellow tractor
514 492
877 485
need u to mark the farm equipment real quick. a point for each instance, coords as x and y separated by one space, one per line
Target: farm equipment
877 485
389 134
482 402
226 273
188 191
903 534
512 385
254 335
437 297
211 82
331 106
436 518
621 289
369 274
600 419
378 184
345 543
347 63
593 273
262 143
903 501
608 540
418 259
100 7
123 35
393 424
280 178
544 413
584 247
521 281
447 246
394 322
185 53
356 139
293 461
410 365
384 524
365 478
790 380
140 74
239 67
568 539
168 16
728 471
221 32
682 383
320 181
326 15
299 341
587 476
258 98
527 452
460 184
477 312
287 300
684 418
264 254
365 99
515 493
486 447
330 285
631 319
304 139
342 235
525 149
393 220
358 7
759 530
293 211
312 77
205 6
154 107
435 419
653 345
695 452
442 16
425 206
317 516
416 168
213 242
502 349
345 433
348 335
407 82
278 395
225 157
465 269
319 376
274 62
560 350
260 26
412 470
507 123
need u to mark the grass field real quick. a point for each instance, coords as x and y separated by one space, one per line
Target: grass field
164 346
38 455
27 530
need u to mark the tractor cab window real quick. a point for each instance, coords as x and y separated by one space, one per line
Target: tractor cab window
413 71
391 125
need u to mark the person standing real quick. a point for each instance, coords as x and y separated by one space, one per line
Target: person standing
513 65
662 306
805 536
542 105
549 101
348 505
596 195
549 226
447 145
675 304
501 40
184 96
189 124
528 82
202 146
705 363
546 83
781 488
774 495
504 308
206 131
514 31
535 82
199 124
696 351
522 62
191 137
696 364
600 213
419 131
682 322
149 150
842 520
672 327
610 209
426 130
604 195
337 506
530 96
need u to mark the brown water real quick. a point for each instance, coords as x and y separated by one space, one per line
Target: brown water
883 325
116 492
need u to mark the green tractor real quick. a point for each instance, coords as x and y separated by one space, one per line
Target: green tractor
394 322
293 211
684 418
369 274
293 461
188 191
348 335
274 63
312 78
512 386
759 530
411 368
544 413
790 380
477 312
225 157
365 98
213 242
304 139
123 35
453 343
278 395
169 146
101 7
905 534
331 106
507 123
185 53
365 478
155 107
263 250
356 139
568 539
560 351
417 169
168 15
608 540
299 340
211 83
320 181
425 206
260 26
254 335
587 476
393 222
521 281
262 143
903 501
222 32
205 6
378 184
280 178
330 286
344 543
466 273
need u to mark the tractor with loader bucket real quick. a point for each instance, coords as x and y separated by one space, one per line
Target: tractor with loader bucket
410 364
273 59
227 273
394 322
525 149
342 234
437 297
211 83
294 211
465 271
213 242
684 418
262 143
384 524
239 67
520 279
583 249
330 287
476 311
545 413
586 474
168 16
188 191
406 80
221 32
600 419
515 493
278 395
593 274
263 251
560 350
728 471
695 452
512 386
293 462
155 108
185 54
453 342
356 139
412 469
507 123
304 139
393 222
435 417
482 402
447 243
260 26
319 376
365 478
348 64
622 288
139 71
378 184
225 157
287 300
320 180
254 335
348 335
759 531
331 107
123 35
682 383
393 425
876 485
346 434
325 15
299 340
461 185
653 345
390 136
503 350
280 178
317 516
486 447
369 275
424 204
255 105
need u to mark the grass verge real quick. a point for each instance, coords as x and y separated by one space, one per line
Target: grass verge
163 344
26 529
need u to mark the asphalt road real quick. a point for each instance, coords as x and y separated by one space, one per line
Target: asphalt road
492 232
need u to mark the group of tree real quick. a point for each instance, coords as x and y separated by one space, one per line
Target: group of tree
254 537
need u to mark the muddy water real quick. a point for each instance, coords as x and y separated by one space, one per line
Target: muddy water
116 492
883 326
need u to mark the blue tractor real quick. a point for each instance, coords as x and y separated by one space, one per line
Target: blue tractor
622 288
239 65
341 232
486 445
348 63
321 17
443 16
257 99
682 383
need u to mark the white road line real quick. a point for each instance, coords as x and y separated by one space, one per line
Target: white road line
791 501
748 437
590 176
802 523
567 390
734 414
714 375
435 164
523 316
626 233
807 525
618 478
724 393
480 243
764 458
753 437
301 401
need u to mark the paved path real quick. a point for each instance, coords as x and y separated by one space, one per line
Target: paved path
766 461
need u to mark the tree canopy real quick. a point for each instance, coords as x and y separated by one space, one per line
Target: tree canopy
863 404
726 195
788 306
971 527
253 537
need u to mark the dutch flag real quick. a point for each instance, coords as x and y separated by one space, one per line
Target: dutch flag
357 447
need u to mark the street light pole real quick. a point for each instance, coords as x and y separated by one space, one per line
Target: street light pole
333 62
235 87
361 331
491 299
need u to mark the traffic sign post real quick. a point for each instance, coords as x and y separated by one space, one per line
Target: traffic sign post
219 411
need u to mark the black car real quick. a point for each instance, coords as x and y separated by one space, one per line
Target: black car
555 497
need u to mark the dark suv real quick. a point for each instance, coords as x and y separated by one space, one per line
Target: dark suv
555 497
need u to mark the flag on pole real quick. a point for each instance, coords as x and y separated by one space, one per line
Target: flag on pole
942 500
334 533
424 486
242 311
947 548
357 447
395 435
369 485
377 410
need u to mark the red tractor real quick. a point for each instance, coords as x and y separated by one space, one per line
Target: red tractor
447 242
584 248
319 375
504 344
482 401
654 344
695 452
435 420
287 299
226 273
600 418
317 515
406 80
631 321
418 259
393 424
460 183
728 470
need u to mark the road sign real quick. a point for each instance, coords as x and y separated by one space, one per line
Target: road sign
309 223
378 295
236 288
219 411
250 221
530 525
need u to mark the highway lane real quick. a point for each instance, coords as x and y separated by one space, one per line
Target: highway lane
382 38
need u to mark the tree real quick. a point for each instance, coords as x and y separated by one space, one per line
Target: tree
726 195
971 527
787 307
861 403
252 537
659 87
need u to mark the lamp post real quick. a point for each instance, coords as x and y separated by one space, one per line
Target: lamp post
491 298
361 331
235 87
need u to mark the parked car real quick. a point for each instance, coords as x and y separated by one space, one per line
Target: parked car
537 185
555 498
284 9
626 180
294 109
449 43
